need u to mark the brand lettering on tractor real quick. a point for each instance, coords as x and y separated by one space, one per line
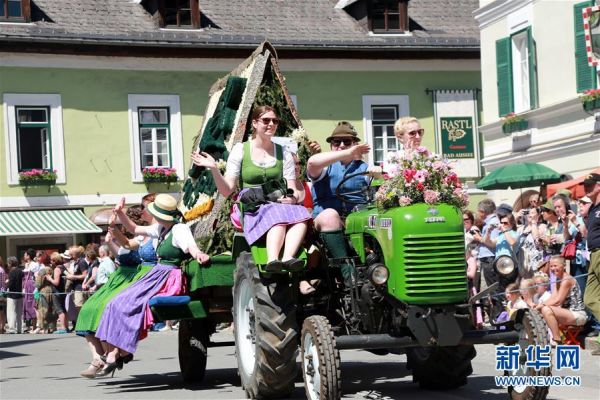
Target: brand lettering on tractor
372 221
430 220
433 211
385 222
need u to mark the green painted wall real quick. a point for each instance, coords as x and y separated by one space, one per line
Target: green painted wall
96 129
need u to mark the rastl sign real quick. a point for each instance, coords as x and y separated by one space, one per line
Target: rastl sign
457 137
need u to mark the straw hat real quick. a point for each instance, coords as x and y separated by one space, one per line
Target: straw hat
164 208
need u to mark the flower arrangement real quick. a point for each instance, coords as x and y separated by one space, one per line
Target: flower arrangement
159 174
513 123
37 177
590 99
420 178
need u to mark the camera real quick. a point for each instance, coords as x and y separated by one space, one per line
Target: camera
526 212
473 231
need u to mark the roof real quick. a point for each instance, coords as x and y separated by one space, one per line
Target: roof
308 24
45 222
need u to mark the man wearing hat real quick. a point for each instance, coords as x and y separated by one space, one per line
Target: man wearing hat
591 298
326 171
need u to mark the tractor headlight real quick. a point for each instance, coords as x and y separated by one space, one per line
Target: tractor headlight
505 265
379 274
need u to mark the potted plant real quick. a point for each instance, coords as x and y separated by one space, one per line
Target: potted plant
159 175
37 177
422 178
590 99
513 123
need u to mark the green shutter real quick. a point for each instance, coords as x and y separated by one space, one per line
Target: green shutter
533 86
504 76
586 75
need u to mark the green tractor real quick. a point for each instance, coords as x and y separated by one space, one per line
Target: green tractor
408 294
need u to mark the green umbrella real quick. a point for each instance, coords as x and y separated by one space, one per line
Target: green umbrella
517 176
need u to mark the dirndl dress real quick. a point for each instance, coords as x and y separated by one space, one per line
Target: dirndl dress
28 297
126 316
134 265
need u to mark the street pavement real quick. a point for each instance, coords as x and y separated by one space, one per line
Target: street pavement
47 367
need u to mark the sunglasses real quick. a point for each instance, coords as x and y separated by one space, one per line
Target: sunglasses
267 121
504 222
337 142
419 132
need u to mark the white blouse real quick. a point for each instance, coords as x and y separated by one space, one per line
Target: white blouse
234 163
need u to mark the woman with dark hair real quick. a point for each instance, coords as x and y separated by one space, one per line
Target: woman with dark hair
507 238
260 162
44 300
29 311
57 280
127 316
136 257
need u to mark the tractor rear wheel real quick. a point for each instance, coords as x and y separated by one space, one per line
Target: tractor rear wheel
266 337
441 368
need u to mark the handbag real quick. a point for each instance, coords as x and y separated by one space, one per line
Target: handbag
570 250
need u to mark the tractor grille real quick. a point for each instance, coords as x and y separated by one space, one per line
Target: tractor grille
434 266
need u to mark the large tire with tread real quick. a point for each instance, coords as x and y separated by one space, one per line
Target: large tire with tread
320 360
193 349
266 335
533 331
441 368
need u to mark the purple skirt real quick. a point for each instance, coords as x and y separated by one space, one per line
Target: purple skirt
258 223
123 316
28 298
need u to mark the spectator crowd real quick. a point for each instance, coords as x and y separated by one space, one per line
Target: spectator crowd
552 244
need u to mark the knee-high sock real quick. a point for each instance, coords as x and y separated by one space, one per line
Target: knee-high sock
336 244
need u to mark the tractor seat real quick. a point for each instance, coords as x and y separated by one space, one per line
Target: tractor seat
169 301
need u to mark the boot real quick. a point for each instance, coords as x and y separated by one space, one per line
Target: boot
336 245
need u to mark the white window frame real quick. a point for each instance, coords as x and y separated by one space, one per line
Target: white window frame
53 101
171 102
521 78
401 101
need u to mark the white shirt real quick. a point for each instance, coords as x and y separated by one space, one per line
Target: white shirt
182 237
106 267
234 163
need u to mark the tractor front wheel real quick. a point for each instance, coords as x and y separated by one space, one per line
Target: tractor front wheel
320 360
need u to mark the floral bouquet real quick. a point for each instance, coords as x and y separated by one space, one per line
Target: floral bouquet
159 174
37 176
420 178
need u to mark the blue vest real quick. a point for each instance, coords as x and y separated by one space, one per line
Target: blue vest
323 190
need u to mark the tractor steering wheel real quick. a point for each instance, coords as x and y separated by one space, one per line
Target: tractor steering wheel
344 196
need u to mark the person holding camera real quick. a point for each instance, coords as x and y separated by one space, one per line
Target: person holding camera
532 251
486 255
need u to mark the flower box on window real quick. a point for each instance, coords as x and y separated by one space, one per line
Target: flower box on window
159 175
514 123
37 177
591 99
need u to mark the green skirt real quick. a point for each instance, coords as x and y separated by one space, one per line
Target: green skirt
91 312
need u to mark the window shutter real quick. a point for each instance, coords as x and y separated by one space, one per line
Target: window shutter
504 76
586 75
533 86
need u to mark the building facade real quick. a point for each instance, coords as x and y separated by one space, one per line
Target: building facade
99 90
534 65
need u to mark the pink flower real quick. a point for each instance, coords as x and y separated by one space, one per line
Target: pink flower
431 196
423 150
420 186
421 175
404 201
439 166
